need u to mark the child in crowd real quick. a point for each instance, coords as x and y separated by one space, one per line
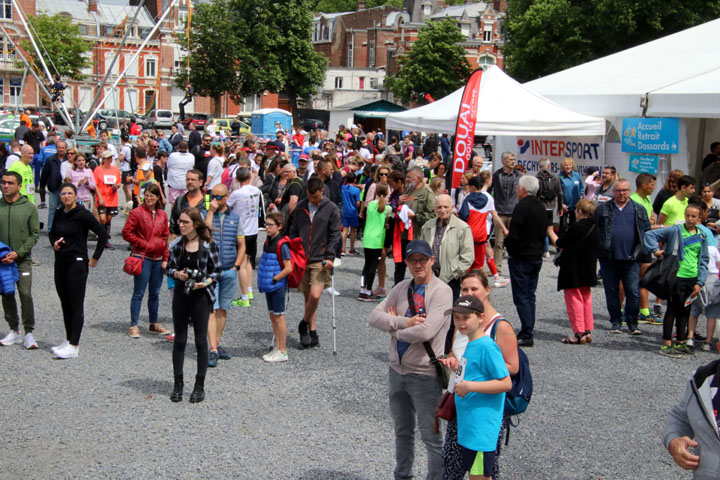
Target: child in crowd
482 379
711 302
82 177
437 185
690 244
350 217
272 281
373 241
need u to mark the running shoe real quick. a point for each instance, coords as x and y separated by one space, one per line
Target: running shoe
276 356
213 358
669 351
134 332
241 303
68 351
30 343
501 282
706 347
684 349
657 310
223 354
11 339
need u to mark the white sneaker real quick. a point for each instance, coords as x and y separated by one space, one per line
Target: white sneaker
30 343
270 353
11 338
706 347
64 344
68 351
331 291
690 342
276 357
337 262
501 282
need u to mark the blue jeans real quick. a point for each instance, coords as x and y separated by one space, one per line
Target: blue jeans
53 204
627 272
152 273
524 276
412 396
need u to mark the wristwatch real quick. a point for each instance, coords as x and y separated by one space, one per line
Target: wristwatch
236 267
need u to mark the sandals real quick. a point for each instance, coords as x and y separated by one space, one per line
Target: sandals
577 339
587 336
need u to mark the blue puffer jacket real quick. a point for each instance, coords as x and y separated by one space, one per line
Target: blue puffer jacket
226 228
8 273
269 267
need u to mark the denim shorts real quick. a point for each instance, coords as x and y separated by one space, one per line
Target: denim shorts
276 301
225 290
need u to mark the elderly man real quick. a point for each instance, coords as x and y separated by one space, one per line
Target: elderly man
525 244
622 225
414 314
693 424
451 241
504 187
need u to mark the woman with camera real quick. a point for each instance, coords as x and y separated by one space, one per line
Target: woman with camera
68 237
147 231
194 264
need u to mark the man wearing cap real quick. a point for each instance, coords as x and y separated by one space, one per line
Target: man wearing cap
317 223
51 177
416 331
303 172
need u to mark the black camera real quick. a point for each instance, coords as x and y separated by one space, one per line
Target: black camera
194 276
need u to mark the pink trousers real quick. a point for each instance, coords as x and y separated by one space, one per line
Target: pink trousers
578 302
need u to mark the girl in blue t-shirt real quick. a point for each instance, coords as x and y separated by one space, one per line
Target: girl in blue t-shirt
482 380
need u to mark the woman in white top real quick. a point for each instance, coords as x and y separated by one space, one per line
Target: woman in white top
475 283
215 166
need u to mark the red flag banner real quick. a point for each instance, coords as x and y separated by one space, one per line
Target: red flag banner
465 128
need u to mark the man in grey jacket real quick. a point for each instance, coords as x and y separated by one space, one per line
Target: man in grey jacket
415 331
549 193
693 423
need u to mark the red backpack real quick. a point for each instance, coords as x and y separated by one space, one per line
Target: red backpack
297 257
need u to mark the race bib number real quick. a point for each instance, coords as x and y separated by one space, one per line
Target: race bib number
30 189
109 179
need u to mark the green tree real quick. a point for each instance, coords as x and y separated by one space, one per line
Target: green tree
302 68
546 36
60 43
435 64
333 6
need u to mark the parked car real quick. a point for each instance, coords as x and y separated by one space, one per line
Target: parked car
225 124
8 124
59 120
199 119
312 124
159 118
108 118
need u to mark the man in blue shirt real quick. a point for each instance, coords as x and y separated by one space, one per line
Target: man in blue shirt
622 225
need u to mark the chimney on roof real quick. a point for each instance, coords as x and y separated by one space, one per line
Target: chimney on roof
92 5
361 5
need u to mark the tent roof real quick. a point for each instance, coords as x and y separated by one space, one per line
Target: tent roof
265 111
504 108
679 73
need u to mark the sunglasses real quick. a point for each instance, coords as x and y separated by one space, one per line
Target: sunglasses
217 197
382 174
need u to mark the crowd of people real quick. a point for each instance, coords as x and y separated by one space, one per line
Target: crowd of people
391 198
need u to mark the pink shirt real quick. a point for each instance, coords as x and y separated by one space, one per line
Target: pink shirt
84 191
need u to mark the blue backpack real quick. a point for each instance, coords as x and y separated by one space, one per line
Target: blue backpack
518 398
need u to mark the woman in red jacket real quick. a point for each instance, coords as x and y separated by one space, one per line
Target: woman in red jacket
147 231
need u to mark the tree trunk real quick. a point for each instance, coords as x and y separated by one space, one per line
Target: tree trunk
216 106
292 97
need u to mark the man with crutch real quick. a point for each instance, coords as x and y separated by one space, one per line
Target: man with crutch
317 221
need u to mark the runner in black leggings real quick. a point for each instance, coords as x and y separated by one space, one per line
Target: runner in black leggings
194 251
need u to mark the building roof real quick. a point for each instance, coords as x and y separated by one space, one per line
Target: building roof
456 11
107 14
369 106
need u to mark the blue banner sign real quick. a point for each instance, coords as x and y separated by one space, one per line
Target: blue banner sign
650 135
644 164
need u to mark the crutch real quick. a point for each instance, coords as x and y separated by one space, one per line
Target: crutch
287 302
332 285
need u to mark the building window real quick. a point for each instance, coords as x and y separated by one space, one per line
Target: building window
371 53
338 83
6 12
15 91
351 58
182 16
465 29
150 70
8 52
488 34
485 61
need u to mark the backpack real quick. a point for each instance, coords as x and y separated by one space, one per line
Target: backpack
228 175
546 192
518 398
133 160
297 257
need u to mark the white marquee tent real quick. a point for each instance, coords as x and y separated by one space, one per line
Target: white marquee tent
674 76
504 108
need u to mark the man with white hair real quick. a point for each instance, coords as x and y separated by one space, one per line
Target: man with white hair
525 243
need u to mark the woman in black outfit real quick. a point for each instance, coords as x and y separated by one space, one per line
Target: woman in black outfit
69 239
194 250
667 191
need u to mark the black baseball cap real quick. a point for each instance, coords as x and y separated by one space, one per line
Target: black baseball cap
467 304
418 246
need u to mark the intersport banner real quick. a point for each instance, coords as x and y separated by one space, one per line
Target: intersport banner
465 128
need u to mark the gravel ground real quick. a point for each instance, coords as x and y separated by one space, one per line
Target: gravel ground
597 411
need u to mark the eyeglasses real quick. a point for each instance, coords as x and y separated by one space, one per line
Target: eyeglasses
417 261
270 224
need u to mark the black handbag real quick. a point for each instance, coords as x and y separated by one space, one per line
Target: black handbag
659 279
